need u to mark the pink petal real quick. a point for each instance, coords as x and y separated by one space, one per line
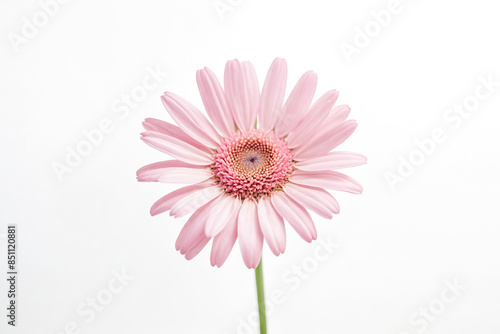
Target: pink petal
156 125
225 211
339 114
193 231
194 200
325 141
331 161
224 241
214 100
295 214
173 171
327 179
297 104
249 234
168 201
272 226
196 249
316 116
241 86
191 120
273 93
315 199
336 117
253 89
177 148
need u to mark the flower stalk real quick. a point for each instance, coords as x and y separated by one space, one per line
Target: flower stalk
259 279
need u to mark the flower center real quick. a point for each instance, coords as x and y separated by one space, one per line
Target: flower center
253 164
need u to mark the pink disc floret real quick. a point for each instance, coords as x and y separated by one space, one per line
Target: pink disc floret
252 164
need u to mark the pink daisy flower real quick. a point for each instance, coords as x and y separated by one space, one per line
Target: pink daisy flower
258 163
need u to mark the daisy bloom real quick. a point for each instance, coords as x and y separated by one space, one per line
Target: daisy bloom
258 162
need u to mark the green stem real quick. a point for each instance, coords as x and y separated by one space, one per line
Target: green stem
259 279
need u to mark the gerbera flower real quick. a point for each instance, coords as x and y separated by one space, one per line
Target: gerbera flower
258 163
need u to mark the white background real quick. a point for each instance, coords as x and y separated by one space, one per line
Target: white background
396 247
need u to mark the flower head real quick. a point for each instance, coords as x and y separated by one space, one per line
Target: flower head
261 162
252 165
